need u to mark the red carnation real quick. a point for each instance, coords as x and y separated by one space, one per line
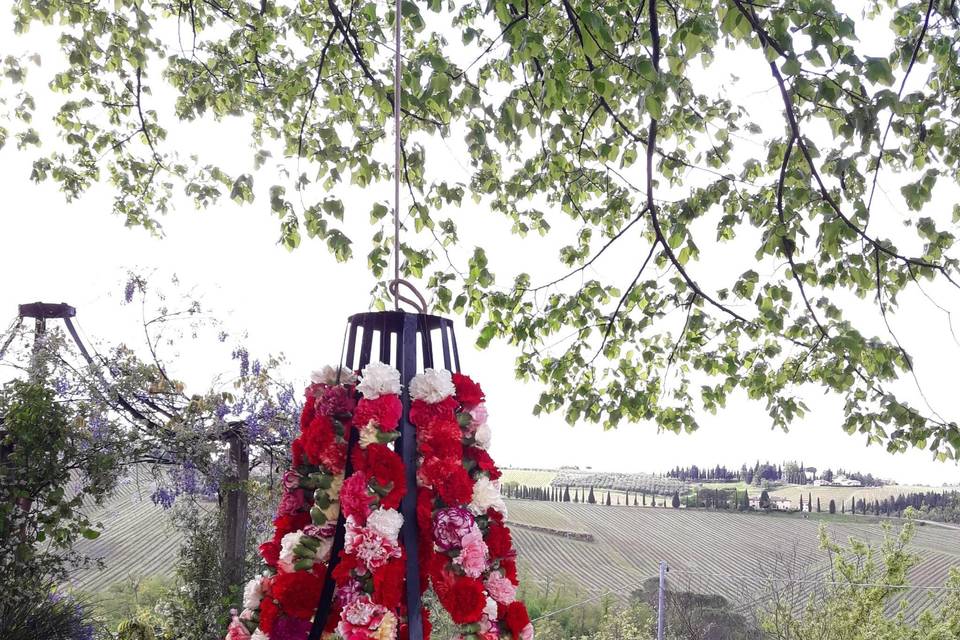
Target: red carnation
468 392
449 479
494 515
384 467
296 449
509 568
308 412
384 411
423 413
297 592
516 618
270 552
321 446
268 614
290 522
355 498
425 498
498 541
343 571
483 460
464 600
457 488
388 583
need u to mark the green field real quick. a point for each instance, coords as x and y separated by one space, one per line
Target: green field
728 553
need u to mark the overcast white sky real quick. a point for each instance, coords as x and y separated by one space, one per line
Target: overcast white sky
297 303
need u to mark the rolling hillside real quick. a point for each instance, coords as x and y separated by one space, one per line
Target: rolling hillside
728 553
600 548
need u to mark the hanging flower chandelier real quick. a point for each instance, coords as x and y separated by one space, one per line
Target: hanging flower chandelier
341 525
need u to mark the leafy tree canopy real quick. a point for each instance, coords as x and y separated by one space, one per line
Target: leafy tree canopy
598 125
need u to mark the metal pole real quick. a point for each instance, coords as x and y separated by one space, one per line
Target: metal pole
661 597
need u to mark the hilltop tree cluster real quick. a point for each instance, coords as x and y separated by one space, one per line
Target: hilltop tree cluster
790 472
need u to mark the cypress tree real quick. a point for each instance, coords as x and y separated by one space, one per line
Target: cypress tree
833 506
608 499
644 498
676 500
636 503
590 498
818 504
576 496
801 502
566 493
809 502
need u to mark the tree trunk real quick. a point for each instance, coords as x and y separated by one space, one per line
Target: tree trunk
235 518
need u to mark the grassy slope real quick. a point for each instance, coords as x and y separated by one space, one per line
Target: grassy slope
715 552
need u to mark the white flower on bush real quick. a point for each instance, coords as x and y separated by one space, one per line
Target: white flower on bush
378 379
433 385
386 522
287 544
329 375
483 436
486 494
253 593
259 635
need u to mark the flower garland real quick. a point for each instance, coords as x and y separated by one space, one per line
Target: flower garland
464 544
370 574
280 604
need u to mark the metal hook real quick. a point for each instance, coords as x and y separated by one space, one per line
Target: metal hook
394 288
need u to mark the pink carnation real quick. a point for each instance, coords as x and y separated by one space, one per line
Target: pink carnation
370 548
478 416
450 526
500 588
336 401
291 479
473 554
291 502
236 630
355 497
348 592
358 617
325 531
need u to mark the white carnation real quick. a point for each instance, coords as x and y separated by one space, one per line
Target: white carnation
323 551
490 610
486 494
259 635
433 385
287 544
331 376
386 522
368 435
253 593
378 379
483 436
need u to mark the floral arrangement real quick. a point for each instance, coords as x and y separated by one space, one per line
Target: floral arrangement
464 544
465 549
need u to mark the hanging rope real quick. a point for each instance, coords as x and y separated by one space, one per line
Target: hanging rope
420 304
395 285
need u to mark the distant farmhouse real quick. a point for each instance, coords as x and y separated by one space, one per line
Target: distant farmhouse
778 504
837 481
